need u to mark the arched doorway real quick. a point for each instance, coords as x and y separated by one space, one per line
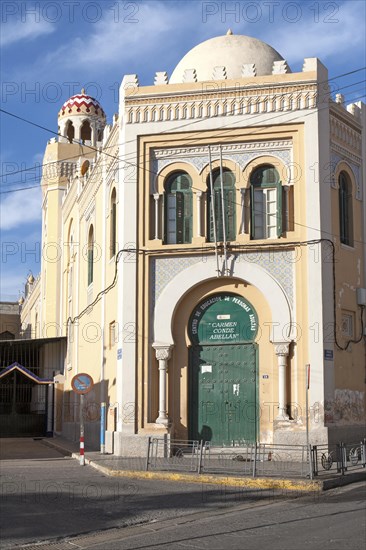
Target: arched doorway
223 370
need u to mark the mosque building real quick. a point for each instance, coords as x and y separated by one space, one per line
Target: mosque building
204 257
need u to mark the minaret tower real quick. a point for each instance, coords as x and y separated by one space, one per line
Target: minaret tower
81 122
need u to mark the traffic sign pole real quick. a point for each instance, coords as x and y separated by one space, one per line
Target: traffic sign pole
82 383
103 407
82 450
307 381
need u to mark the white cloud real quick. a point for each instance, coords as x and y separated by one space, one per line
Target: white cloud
15 31
125 46
112 43
322 39
20 208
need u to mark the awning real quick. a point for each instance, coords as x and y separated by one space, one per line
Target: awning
17 367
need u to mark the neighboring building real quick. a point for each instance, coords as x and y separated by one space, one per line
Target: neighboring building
28 365
9 320
204 248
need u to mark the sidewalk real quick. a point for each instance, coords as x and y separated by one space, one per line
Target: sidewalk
135 467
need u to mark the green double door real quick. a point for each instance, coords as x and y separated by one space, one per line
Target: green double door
223 370
223 393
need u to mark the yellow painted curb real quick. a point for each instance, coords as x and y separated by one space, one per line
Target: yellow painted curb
229 481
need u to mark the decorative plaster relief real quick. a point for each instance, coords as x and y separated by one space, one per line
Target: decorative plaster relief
162 352
282 349
241 154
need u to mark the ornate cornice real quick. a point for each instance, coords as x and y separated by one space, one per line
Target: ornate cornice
346 153
239 153
232 147
220 102
345 133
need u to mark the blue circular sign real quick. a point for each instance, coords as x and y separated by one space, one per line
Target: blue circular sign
82 383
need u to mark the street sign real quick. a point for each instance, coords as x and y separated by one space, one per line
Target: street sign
82 383
328 354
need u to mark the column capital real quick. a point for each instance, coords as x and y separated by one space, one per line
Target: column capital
156 196
162 351
282 348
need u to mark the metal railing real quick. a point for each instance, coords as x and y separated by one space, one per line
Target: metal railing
173 454
254 459
339 458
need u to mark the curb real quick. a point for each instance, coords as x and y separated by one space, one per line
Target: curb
304 486
228 481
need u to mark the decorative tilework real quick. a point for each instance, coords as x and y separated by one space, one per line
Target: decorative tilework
163 270
278 263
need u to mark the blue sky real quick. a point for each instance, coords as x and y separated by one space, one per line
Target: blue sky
49 50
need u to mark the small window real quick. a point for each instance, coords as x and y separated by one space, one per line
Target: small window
113 225
215 202
345 209
178 209
266 203
91 255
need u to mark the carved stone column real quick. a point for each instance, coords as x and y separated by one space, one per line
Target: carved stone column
199 197
156 199
242 206
162 353
282 351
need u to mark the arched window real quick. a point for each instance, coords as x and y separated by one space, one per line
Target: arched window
113 225
266 203
345 209
85 131
70 131
178 209
90 255
216 202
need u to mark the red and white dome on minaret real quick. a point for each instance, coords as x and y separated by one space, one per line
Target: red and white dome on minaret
81 104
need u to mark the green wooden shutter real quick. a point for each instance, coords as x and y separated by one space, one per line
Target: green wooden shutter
113 229
187 217
90 265
218 215
252 213
163 220
279 210
179 206
230 215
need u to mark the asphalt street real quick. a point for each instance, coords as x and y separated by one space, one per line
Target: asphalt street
48 497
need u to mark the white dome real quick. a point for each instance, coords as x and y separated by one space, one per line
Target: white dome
230 51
